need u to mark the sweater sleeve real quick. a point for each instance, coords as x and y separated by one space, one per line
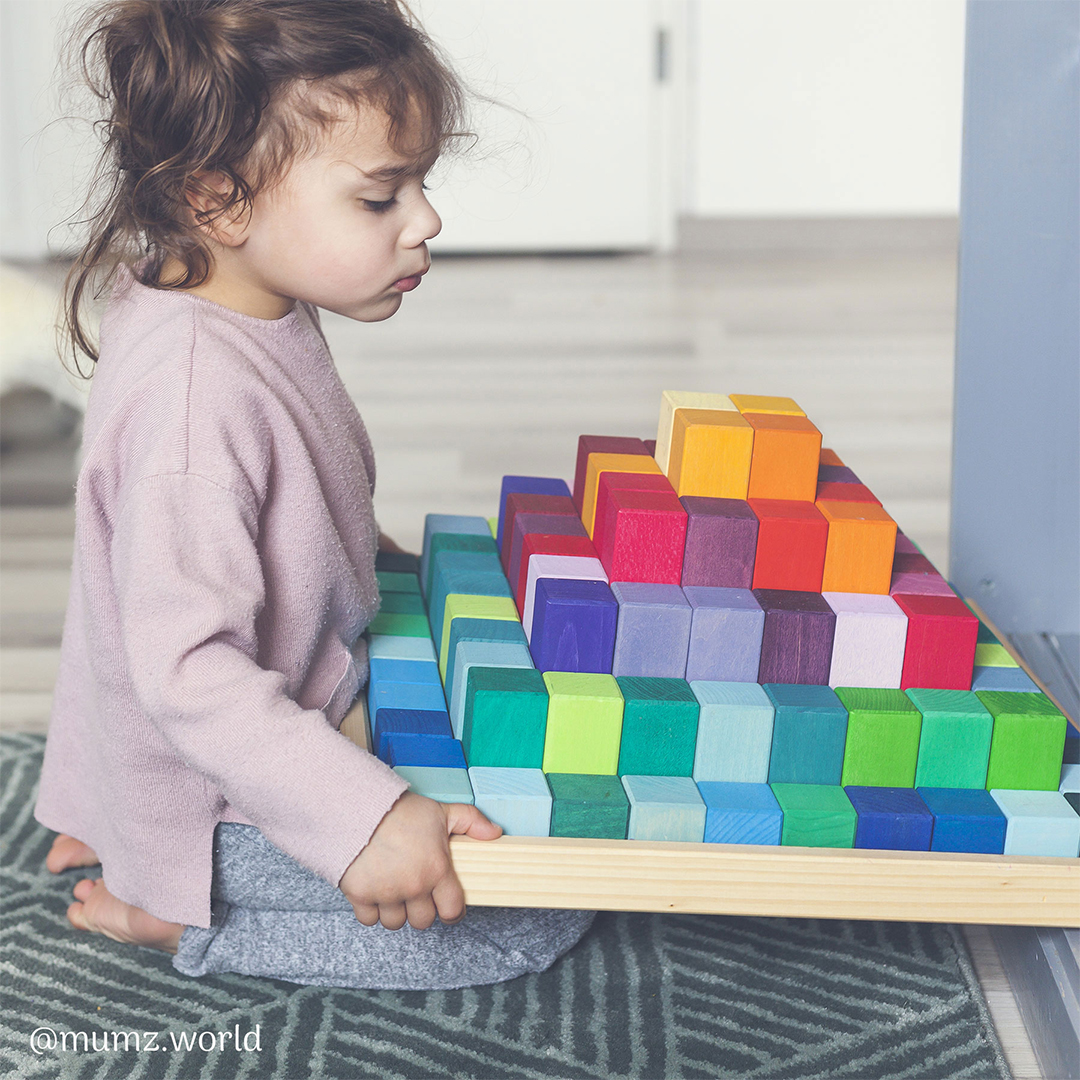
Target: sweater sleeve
189 587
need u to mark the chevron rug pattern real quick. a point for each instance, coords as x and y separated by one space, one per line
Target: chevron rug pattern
646 996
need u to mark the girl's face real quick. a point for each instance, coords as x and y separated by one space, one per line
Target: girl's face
346 229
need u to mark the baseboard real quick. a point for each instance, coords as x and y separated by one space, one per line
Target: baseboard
818 235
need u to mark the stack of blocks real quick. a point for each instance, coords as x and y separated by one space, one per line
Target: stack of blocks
718 637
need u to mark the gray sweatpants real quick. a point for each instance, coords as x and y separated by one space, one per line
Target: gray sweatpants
272 917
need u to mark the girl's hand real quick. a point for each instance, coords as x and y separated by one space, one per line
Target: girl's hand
405 871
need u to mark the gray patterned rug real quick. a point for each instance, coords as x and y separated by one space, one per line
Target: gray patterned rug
641 996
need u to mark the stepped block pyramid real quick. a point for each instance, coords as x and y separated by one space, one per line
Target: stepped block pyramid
719 637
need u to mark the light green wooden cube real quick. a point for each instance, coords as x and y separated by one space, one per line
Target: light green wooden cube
584 723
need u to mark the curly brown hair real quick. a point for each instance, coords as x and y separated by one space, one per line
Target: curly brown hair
198 87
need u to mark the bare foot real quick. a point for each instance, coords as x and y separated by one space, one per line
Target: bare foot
66 852
97 910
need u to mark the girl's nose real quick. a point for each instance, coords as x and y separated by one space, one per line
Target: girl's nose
424 223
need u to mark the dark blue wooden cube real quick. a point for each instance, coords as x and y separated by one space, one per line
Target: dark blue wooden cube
965 819
892 818
574 625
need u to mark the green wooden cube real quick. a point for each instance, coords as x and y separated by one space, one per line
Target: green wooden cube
401 603
505 717
659 728
396 581
954 746
454 542
882 746
400 625
816 815
587 804
1028 742
993 654
584 723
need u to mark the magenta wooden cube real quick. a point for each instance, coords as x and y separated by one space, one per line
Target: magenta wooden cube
919 585
721 539
796 646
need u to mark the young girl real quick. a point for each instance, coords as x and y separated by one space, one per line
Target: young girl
264 158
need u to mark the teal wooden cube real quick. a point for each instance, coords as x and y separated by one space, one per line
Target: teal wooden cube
809 734
505 717
518 800
735 732
664 808
659 728
588 804
441 784
954 746
469 654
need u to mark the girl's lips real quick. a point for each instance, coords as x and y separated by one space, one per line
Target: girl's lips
407 284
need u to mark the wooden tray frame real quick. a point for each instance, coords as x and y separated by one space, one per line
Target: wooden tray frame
743 879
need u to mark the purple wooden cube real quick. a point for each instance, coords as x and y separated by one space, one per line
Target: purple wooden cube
797 644
725 635
721 539
653 636
836 474
574 625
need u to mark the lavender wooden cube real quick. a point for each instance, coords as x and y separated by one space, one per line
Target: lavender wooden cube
797 644
721 539
653 634
574 624
725 634
868 646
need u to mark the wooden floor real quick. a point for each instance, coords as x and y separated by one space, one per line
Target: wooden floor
496 365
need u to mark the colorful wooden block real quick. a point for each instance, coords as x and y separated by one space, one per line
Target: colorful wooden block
993 654
491 654
830 457
1070 778
525 485
796 644
402 603
919 585
401 695
845 491
564 567
458 524
954 743
573 626
607 482
538 526
913 562
523 503
642 536
671 402
735 732
600 444
882 747
492 630
1003 678
891 818
441 784
393 581
395 625
399 670
904 544
578 547
835 474
431 753
467 573
721 542
587 804
505 717
433 723
785 457
725 635
650 446
664 808
809 734
584 723
862 542
710 454
599 464
401 562
441 542
816 815
792 538
1028 741
763 403
396 647
740 813
940 649
965 819
1038 823
471 607
653 633
519 800
659 727
869 640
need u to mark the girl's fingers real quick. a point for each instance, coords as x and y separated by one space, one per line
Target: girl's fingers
421 912
367 914
465 820
449 899
392 916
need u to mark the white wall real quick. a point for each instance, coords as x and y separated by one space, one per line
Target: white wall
825 107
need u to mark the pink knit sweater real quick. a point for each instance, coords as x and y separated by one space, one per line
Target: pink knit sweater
224 568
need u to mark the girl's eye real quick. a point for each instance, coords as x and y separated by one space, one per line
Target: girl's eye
378 207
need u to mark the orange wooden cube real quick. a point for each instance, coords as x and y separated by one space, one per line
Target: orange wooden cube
761 403
785 458
601 463
859 554
830 457
710 454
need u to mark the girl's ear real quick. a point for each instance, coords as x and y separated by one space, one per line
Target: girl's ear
210 197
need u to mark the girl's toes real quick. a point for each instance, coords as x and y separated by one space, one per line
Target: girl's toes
83 889
66 852
77 917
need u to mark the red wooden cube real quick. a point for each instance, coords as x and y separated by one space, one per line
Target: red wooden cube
642 537
941 637
791 543
522 503
846 492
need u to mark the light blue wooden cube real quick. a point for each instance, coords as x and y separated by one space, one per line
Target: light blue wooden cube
1014 679
385 669
517 799
400 695
442 785
1070 778
735 731
741 813
397 647
448 523
1038 822
664 808
471 654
